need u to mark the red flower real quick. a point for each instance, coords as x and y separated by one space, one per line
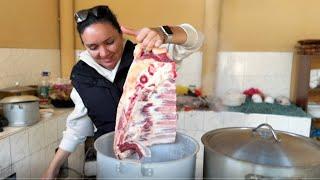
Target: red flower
252 91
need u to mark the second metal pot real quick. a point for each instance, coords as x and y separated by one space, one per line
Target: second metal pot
247 153
21 110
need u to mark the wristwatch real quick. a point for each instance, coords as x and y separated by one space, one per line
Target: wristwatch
168 34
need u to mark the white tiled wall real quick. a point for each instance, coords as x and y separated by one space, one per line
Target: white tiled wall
189 71
196 123
51 128
19 146
36 137
268 71
29 151
23 168
24 65
5 153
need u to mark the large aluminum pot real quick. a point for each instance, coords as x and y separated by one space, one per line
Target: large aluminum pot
21 110
168 161
259 153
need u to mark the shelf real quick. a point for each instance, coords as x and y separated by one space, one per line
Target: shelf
301 77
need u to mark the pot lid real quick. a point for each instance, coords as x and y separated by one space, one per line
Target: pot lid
17 89
17 99
264 146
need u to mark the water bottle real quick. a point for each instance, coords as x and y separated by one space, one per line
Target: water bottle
43 88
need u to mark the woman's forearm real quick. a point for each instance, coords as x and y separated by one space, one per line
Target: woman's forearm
179 35
60 157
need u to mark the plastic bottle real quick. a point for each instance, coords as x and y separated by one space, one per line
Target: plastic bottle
43 88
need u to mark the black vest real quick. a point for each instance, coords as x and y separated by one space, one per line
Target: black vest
99 95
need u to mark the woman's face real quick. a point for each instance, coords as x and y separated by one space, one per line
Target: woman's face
104 43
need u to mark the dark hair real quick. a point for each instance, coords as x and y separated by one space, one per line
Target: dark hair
104 15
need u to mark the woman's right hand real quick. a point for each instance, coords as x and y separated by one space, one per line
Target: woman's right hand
50 173
54 167
149 38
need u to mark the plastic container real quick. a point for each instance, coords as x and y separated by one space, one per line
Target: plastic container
43 89
168 161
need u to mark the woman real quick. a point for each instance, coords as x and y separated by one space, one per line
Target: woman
99 75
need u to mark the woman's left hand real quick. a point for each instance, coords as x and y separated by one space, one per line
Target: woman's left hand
149 38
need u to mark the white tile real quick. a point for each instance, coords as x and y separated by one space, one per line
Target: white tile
254 120
262 63
236 65
242 70
300 126
36 137
278 122
181 121
6 172
5 156
256 66
233 119
37 164
277 85
212 120
283 61
194 120
51 132
22 168
189 70
61 126
19 146
230 64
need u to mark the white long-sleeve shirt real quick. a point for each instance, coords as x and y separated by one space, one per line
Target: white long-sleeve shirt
79 124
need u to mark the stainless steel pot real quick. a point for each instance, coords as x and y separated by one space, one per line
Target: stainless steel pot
21 110
168 161
259 153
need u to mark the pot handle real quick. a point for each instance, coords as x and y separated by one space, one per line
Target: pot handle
270 128
123 168
257 177
146 171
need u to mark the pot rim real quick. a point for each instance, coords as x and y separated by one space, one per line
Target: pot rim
19 99
163 162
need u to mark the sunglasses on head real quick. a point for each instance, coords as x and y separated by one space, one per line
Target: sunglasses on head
97 11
